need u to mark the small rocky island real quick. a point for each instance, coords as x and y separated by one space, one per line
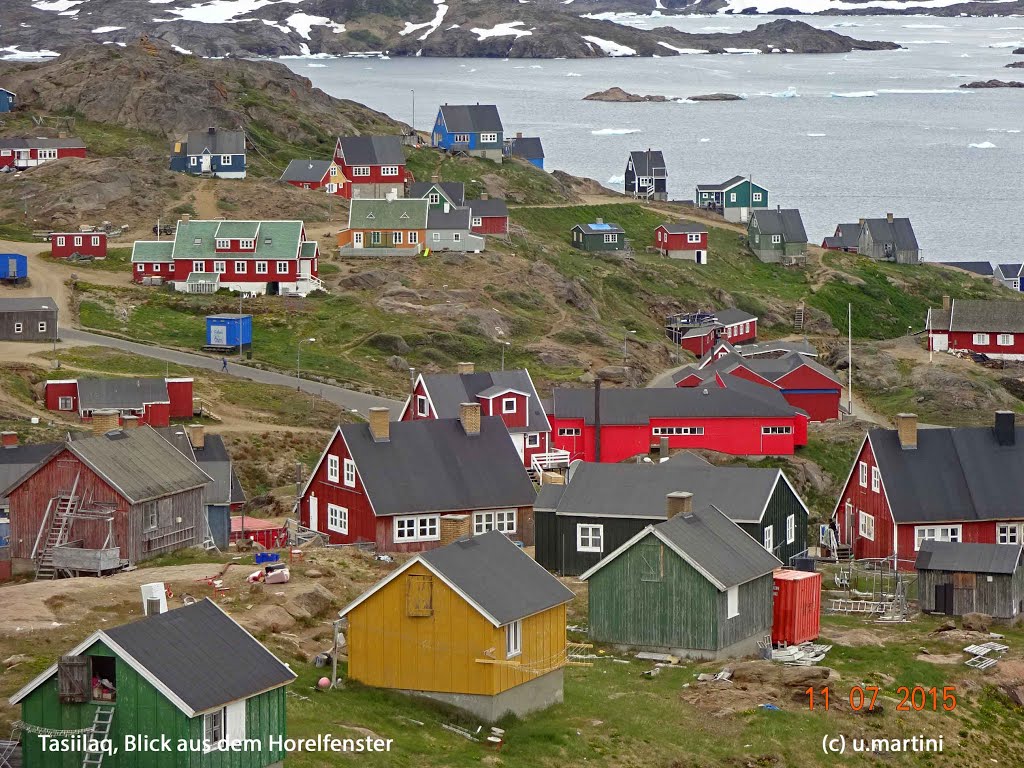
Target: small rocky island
1015 65
715 97
994 84
616 94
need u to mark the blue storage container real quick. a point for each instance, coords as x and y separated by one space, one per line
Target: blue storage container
13 266
229 331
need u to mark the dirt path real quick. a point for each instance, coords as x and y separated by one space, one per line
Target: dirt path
206 201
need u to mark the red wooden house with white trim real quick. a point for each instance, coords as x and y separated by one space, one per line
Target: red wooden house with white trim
683 240
408 486
32 151
698 332
315 174
151 401
489 216
992 328
951 484
372 167
64 244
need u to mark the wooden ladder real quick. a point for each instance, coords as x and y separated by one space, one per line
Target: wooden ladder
798 319
102 721
60 511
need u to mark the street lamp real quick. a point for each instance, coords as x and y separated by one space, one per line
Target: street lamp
503 345
625 338
298 364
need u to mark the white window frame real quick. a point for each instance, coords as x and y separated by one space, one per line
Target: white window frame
790 529
1004 339
193 160
413 528
862 474
140 267
78 241
505 402
436 237
220 267
247 245
514 639
334 171
769 538
457 237
1008 533
876 479
333 468
261 267
198 266
223 244
732 197
389 170
214 735
396 237
414 238
756 197
693 237
96 241
241 266
488 138
349 473
865 525
225 159
19 327
593 535
360 170
569 431
42 326
61 241
667 431
937 533
434 198
65 403
503 520
422 405
776 239
533 440
477 221
337 518
282 267
156 267
981 339
776 430
732 602
611 238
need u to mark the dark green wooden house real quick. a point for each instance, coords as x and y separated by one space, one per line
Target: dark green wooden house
599 236
604 505
192 675
777 236
694 585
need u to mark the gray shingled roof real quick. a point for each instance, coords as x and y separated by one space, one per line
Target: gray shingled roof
1009 270
27 304
472 118
120 393
431 465
846 236
306 171
639 490
72 142
772 369
731 316
785 222
221 142
954 475
549 497
899 232
983 268
527 147
999 316
640 162
498 576
201 655
372 150
968 557
721 187
938 319
454 190
639 406
492 206
447 391
453 218
684 227
213 459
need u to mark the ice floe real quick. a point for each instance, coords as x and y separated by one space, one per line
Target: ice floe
982 145
614 131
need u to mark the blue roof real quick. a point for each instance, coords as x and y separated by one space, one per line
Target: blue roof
600 226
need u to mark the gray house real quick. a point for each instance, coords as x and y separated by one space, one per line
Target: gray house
889 239
448 229
777 236
28 319
955 578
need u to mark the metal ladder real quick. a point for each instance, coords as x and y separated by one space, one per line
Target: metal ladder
60 510
208 542
798 319
101 723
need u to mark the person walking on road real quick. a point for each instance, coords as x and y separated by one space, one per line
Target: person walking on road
224 364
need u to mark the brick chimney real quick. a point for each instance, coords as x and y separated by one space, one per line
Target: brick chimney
465 368
1005 428
888 217
861 222
469 415
380 425
129 422
8 439
946 304
197 436
455 527
484 196
435 178
519 134
678 503
104 420
906 428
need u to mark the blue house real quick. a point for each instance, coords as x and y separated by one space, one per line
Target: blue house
528 148
6 100
473 129
213 152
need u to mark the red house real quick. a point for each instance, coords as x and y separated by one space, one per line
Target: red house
315 174
64 244
30 152
951 484
846 238
150 401
408 486
489 216
804 383
993 328
372 167
698 332
727 414
508 394
685 240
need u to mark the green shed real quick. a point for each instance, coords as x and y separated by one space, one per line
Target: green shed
778 236
695 585
599 236
192 677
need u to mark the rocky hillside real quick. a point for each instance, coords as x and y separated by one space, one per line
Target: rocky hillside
496 28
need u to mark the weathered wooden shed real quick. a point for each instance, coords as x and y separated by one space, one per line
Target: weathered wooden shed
955 578
695 585
28 319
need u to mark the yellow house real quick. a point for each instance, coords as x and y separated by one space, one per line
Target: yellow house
477 624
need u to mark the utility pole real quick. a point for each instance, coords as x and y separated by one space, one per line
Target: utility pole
849 356
625 351
413 92
298 362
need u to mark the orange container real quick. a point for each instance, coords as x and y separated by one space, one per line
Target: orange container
796 616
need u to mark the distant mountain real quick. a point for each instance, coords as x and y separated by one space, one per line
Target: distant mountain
489 28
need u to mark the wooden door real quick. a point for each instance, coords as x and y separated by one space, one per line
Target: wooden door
944 599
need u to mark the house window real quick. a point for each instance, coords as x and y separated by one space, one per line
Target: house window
375 238
936 532
65 403
732 601
436 237
434 198
337 518
1008 534
677 431
1005 340
589 538
361 170
42 327
78 241
47 154
213 728
414 238
396 238
477 221
198 266
876 479
757 197
152 518
193 160
156 267
790 529
613 238
568 431
389 170
419 595
333 469
981 338
533 440
95 242
18 327
261 267
693 237
769 538
248 245
220 267
776 430
732 197
652 562
863 474
282 267
503 520
457 237
417 528
422 406
350 473
514 639
776 239
241 266
508 405
225 159
461 138
223 245
866 526
334 171
60 242
488 138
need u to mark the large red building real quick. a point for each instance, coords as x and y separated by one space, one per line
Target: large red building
32 151
907 484
698 332
728 414
371 166
408 486
992 328
64 244
150 401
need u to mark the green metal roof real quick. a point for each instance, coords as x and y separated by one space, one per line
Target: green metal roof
276 239
403 213
150 251
203 277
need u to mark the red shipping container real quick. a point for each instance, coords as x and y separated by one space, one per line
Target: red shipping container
267 533
5 570
796 616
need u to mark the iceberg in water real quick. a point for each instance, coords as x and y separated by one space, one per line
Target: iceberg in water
853 95
982 145
614 131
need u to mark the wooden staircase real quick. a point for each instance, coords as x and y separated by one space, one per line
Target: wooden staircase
58 516
102 721
798 318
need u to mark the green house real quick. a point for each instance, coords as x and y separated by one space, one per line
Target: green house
191 676
777 236
599 236
735 199
695 585
437 193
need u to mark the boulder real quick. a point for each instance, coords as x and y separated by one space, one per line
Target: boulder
398 363
267 618
575 295
976 622
616 373
13 661
1015 690
764 672
617 94
715 97
316 600
993 84
369 280
296 611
